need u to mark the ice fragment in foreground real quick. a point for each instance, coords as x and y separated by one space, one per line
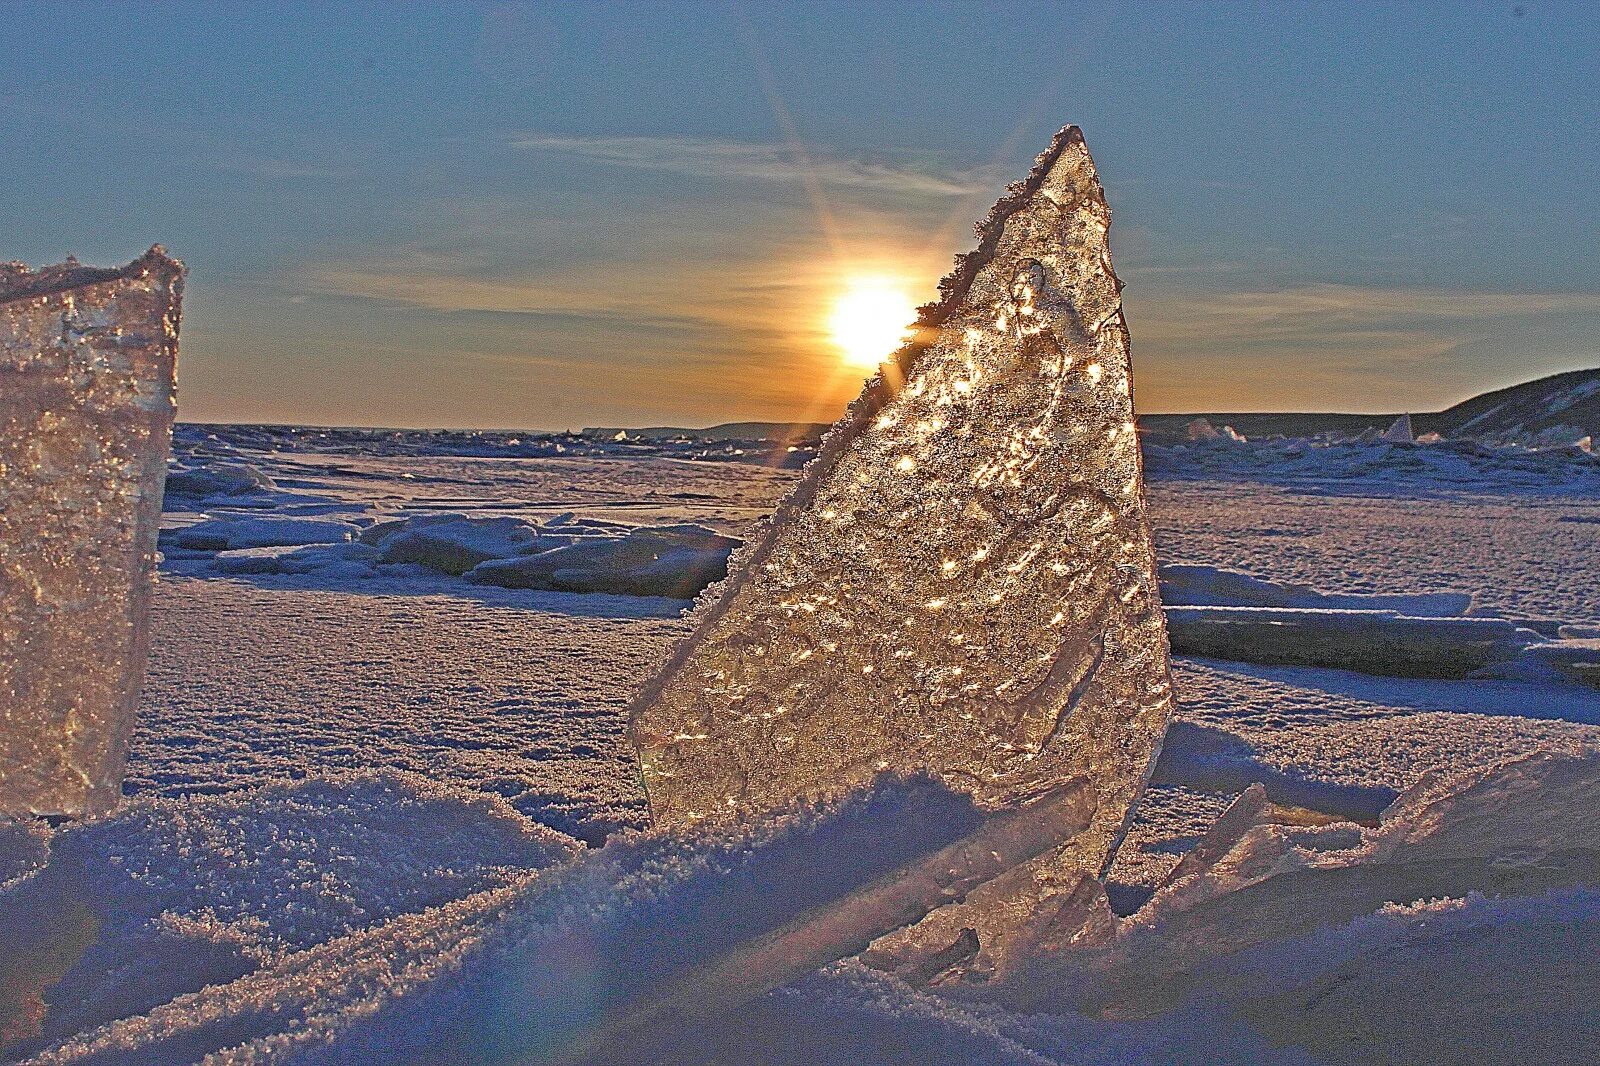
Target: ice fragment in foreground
86 404
962 583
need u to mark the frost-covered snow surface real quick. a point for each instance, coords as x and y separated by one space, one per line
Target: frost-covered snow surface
263 892
87 358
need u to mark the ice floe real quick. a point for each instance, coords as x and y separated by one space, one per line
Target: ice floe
672 561
227 534
453 543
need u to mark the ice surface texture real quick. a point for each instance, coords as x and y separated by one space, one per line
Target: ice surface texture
962 583
86 401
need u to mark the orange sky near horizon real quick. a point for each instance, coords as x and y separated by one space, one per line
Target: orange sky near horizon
756 339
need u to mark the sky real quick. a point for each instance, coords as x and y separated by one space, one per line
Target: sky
549 216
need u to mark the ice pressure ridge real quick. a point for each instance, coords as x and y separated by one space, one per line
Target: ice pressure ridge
962 583
86 402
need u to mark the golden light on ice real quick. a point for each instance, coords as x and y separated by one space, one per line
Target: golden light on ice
869 321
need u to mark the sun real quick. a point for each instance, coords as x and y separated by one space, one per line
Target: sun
869 321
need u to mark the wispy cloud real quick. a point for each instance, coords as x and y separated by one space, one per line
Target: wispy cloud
1322 315
772 284
713 158
659 296
1329 305
281 168
404 284
1202 268
1350 346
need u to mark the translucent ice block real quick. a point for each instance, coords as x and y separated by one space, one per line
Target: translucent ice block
86 403
962 583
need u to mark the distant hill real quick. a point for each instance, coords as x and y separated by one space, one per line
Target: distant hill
1548 404
1561 405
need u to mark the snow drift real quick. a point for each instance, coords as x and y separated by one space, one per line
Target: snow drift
1275 940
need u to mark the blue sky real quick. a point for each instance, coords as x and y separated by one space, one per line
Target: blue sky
542 216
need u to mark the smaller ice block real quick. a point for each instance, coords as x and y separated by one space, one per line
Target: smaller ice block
87 359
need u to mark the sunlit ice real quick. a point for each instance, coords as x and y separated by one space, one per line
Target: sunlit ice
869 320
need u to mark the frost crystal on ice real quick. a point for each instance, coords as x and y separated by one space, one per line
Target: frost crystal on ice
86 404
963 582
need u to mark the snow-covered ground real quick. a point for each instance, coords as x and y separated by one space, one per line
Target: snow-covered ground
263 873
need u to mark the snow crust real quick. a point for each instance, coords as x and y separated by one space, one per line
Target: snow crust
515 696
1278 943
1310 936
169 896
564 949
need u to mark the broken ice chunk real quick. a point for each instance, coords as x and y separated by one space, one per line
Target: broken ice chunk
1370 642
1400 431
963 582
676 561
1193 585
86 404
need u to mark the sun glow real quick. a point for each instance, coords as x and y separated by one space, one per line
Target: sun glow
870 320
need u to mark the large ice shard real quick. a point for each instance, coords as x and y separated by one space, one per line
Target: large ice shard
962 583
86 403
